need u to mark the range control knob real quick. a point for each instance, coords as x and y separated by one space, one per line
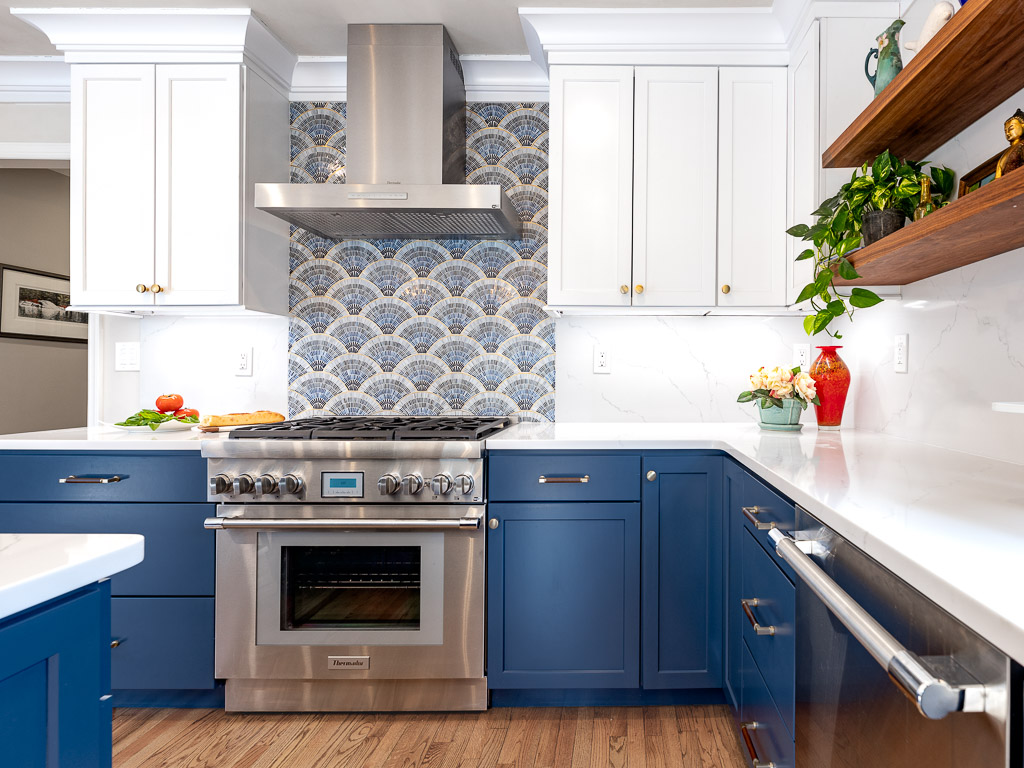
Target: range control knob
291 484
266 484
464 485
441 484
389 485
243 484
412 483
219 485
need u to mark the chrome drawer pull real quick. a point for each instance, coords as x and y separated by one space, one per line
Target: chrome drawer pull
552 480
753 602
745 729
749 512
104 480
270 524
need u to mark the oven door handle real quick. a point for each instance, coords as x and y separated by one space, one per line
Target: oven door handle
264 524
934 697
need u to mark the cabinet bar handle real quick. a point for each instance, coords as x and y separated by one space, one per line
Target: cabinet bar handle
745 729
104 480
553 480
749 512
357 523
753 602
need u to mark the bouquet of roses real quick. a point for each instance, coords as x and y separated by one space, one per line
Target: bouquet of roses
770 388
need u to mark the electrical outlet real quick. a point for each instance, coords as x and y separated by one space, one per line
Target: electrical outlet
126 356
802 356
243 365
899 357
601 364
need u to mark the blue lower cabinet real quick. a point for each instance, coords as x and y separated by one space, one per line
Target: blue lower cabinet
683 576
563 595
732 494
770 742
53 673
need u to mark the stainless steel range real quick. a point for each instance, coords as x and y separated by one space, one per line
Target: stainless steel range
350 563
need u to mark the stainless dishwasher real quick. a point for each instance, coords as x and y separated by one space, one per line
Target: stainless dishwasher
885 678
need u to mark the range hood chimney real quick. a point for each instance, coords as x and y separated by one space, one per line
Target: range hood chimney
405 162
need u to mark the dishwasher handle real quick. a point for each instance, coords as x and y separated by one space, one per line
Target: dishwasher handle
934 697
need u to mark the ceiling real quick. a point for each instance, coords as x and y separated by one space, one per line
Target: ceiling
317 27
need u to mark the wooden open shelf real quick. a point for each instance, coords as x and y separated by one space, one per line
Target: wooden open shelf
985 223
969 68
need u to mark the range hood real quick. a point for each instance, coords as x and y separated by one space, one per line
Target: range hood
405 149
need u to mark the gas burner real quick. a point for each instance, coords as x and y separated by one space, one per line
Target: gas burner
378 428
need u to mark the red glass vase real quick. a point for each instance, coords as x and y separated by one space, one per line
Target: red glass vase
832 381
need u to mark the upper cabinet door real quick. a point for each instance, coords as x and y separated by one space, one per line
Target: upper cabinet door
591 186
111 184
198 189
752 187
805 156
675 186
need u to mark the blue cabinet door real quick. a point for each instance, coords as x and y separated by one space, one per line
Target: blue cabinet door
563 595
52 675
732 518
683 572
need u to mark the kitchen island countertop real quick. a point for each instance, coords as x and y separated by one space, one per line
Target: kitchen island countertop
950 524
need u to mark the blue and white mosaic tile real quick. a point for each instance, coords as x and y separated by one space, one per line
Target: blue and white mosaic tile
425 327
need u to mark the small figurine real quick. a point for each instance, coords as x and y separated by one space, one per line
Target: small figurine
1013 158
890 63
941 13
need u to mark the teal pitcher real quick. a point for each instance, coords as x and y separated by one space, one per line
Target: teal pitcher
890 63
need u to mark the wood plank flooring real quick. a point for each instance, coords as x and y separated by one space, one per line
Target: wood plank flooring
583 737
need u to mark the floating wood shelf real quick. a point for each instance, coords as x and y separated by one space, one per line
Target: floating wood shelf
974 63
985 223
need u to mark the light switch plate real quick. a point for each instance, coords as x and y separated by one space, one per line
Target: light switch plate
126 356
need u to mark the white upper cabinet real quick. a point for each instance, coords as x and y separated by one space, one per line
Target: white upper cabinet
805 156
164 158
752 248
674 186
667 184
591 186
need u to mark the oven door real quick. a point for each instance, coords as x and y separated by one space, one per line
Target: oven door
317 591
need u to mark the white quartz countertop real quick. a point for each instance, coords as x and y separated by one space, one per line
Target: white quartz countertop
950 524
36 567
107 439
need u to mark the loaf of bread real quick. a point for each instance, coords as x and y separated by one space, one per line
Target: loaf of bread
240 419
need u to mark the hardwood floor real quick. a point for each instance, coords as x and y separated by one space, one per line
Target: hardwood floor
601 737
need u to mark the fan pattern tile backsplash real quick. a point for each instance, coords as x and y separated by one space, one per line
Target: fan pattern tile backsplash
425 327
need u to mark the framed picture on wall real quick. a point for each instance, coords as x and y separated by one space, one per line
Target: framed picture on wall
34 305
980 176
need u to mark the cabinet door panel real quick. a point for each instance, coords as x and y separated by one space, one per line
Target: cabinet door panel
752 186
167 643
732 520
805 154
111 209
198 190
675 186
563 589
683 564
591 183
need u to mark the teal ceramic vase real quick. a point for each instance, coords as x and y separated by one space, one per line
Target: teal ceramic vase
890 62
784 419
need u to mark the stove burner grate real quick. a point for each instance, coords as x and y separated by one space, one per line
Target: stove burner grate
378 428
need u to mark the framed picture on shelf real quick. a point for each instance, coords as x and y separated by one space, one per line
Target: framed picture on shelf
34 305
980 176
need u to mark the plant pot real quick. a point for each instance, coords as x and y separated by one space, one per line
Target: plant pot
832 382
878 224
784 419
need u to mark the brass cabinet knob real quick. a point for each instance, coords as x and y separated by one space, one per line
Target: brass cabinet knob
726 289
155 288
639 289
141 288
623 289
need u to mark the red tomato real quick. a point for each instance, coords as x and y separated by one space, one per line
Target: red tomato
183 412
166 403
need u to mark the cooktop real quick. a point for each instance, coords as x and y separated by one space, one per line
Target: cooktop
377 428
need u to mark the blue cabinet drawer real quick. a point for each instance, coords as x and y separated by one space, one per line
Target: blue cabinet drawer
769 738
167 643
774 655
179 552
768 509
142 476
563 477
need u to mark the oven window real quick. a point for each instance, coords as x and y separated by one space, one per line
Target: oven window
350 588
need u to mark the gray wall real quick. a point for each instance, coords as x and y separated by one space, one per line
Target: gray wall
43 384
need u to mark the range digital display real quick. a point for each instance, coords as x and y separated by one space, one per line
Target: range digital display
347 485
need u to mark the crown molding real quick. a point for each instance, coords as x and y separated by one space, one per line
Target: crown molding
164 35
34 79
488 78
